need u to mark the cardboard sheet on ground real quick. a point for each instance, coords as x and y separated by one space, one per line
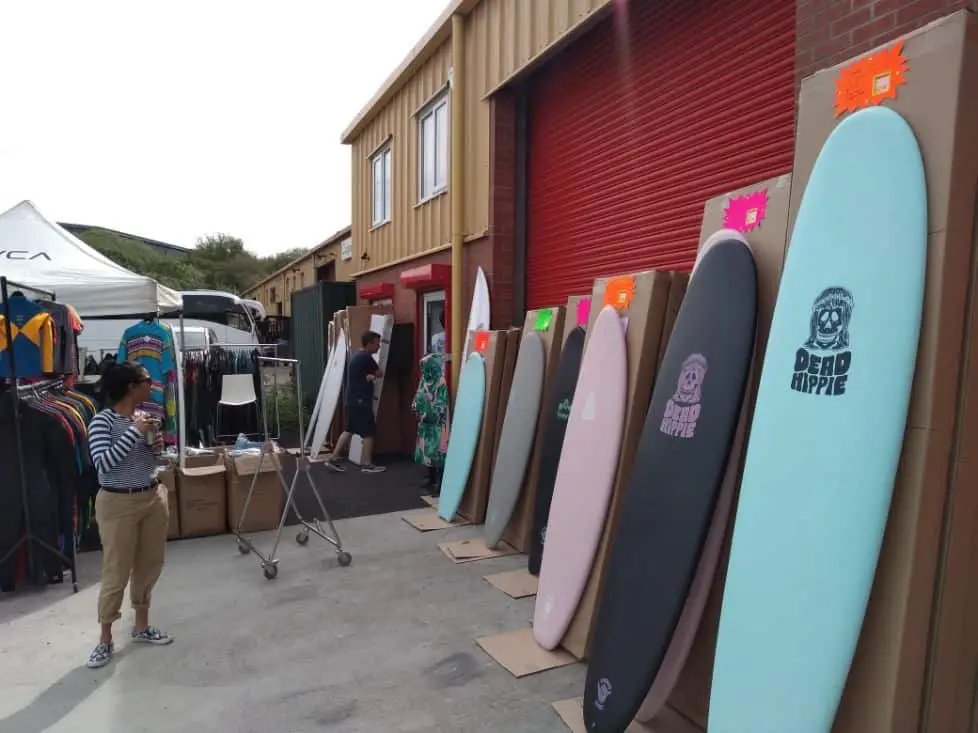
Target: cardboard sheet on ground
431 501
515 583
472 550
572 714
521 655
427 520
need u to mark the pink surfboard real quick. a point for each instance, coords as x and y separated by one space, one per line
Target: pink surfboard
585 477
699 590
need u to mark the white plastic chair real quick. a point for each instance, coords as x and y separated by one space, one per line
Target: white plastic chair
237 390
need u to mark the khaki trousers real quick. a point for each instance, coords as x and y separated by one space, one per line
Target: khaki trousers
133 530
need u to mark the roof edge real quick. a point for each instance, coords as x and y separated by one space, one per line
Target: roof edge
430 42
330 240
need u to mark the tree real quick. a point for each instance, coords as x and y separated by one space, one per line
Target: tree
217 262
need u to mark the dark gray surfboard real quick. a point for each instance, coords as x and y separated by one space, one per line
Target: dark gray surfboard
669 501
553 439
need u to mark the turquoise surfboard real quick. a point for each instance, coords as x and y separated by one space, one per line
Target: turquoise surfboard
464 435
827 433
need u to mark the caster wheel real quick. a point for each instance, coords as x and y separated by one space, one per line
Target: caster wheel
344 558
271 571
243 548
302 538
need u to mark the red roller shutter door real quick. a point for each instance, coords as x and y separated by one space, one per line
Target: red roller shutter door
659 108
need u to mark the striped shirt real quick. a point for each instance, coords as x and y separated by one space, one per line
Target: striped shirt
119 452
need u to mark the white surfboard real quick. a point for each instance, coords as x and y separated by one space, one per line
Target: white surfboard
479 313
333 379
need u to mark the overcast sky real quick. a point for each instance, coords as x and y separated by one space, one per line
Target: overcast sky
196 116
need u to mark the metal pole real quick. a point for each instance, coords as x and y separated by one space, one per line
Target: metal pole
181 405
457 190
18 438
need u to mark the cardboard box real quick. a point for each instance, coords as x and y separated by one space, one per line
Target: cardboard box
265 509
646 315
202 496
520 528
476 497
768 243
169 479
886 683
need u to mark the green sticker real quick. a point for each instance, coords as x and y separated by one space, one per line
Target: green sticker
544 318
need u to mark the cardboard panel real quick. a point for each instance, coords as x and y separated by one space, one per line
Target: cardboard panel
767 242
520 527
884 690
643 334
513 336
268 498
573 315
949 692
202 496
476 498
168 478
515 583
519 653
677 291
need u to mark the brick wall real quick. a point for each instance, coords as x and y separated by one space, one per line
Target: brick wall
502 208
832 31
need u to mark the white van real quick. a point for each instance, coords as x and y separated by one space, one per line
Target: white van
225 318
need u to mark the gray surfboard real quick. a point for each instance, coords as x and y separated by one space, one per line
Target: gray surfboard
516 438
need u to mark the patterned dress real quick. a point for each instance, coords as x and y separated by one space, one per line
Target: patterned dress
431 408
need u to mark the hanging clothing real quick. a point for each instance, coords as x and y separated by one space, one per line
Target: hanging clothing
431 407
150 344
67 327
32 335
60 480
203 374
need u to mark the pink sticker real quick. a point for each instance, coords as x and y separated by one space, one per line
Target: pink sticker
744 213
583 311
683 408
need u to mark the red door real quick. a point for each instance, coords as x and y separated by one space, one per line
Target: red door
661 107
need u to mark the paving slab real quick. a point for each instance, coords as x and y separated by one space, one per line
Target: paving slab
387 644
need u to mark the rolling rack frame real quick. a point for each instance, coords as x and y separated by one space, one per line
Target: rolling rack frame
269 563
29 539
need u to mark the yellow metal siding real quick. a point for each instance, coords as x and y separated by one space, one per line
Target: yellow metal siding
506 36
301 275
502 38
413 227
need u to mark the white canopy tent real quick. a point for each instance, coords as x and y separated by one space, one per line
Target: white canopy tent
36 252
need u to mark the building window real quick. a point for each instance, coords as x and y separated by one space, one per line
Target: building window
380 167
433 148
273 298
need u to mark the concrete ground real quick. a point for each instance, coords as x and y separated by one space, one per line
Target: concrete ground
387 644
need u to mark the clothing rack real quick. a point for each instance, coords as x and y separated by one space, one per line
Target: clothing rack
29 539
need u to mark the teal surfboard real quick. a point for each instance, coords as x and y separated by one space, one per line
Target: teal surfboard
826 436
464 435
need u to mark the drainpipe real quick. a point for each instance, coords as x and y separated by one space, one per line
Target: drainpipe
457 191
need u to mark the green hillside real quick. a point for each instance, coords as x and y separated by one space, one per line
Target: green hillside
218 262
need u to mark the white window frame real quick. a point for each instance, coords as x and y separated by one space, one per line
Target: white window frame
432 296
433 158
381 182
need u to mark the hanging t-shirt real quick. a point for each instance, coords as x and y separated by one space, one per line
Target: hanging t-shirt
150 344
32 333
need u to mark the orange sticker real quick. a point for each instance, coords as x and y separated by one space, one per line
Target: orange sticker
619 292
481 341
870 80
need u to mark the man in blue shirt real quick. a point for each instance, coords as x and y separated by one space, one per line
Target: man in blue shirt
362 372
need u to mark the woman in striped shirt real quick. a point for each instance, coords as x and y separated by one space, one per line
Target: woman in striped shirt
131 506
